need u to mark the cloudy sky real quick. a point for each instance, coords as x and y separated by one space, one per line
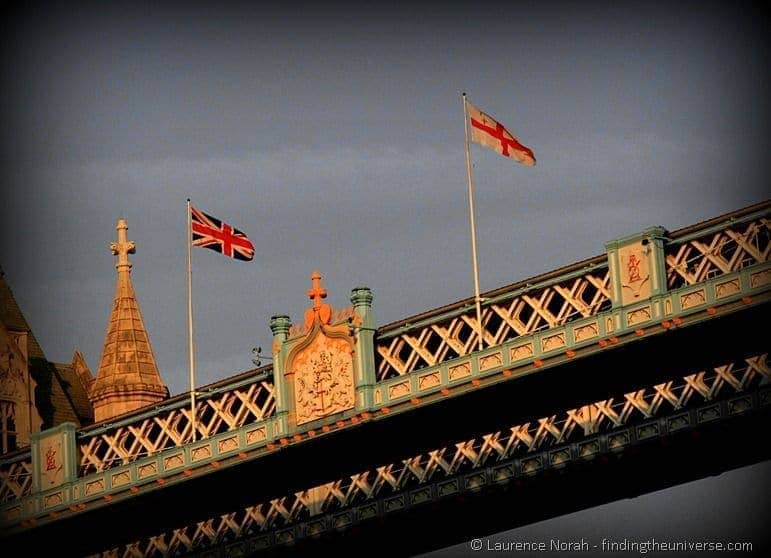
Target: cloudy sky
333 137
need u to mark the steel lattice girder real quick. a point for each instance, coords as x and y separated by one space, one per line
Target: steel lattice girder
521 451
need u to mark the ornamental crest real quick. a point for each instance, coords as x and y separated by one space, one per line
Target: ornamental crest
320 365
51 457
323 378
635 274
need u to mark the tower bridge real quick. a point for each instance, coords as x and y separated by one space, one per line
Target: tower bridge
640 368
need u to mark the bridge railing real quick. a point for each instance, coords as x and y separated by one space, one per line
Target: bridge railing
219 408
692 255
519 451
16 477
521 309
699 253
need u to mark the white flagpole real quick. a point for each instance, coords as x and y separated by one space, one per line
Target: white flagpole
473 226
190 318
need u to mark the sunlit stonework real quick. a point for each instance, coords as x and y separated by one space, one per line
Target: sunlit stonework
322 365
128 376
324 379
635 275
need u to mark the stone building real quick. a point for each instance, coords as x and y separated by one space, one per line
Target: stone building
37 394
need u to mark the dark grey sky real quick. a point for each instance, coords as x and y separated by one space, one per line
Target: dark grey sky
333 137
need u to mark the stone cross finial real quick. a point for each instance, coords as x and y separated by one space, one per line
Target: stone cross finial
317 292
320 311
123 247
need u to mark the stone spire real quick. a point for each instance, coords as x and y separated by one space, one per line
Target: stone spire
128 376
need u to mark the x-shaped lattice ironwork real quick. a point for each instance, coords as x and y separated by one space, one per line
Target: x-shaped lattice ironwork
548 307
15 480
226 411
521 439
724 251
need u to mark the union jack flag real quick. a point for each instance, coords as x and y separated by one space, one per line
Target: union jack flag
209 232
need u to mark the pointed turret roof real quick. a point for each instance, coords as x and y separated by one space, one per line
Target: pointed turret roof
127 370
77 379
53 397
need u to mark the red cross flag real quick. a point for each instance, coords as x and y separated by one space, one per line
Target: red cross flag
491 133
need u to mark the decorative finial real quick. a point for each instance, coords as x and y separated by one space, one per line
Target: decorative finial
317 292
320 311
123 247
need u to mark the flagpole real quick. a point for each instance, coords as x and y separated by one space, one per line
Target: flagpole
473 226
190 318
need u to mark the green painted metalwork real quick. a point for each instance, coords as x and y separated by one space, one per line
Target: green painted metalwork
247 415
280 327
514 452
57 452
363 330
